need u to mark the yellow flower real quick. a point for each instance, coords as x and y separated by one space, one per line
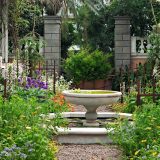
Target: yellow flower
34 113
53 146
148 128
9 138
136 153
154 154
28 128
22 116
144 140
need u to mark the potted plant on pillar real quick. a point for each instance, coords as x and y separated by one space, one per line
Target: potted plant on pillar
88 69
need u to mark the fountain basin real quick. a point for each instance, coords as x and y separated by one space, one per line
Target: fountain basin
92 97
91 100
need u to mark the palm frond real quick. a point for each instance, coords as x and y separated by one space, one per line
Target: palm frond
65 5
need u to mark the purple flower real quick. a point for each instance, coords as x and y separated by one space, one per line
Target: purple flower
30 150
36 85
19 80
27 86
14 147
45 87
37 72
5 153
33 81
22 155
38 81
28 144
42 83
8 149
29 79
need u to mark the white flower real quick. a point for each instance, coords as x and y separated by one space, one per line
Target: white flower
61 84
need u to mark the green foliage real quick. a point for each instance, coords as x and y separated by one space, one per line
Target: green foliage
68 36
98 30
41 94
61 84
131 103
139 12
31 45
140 139
24 132
30 52
154 52
87 65
130 77
24 17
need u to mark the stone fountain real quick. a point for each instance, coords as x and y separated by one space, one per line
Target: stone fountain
91 100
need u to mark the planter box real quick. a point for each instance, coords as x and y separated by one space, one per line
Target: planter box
101 84
10 59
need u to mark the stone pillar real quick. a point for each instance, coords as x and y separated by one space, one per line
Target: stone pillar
0 44
4 42
0 35
122 42
52 37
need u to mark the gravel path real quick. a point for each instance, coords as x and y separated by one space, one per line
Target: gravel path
89 152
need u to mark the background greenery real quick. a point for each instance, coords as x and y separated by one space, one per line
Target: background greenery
87 65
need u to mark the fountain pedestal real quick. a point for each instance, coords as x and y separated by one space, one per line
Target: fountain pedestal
91 116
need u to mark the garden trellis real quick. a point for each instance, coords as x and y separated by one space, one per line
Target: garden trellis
144 81
46 72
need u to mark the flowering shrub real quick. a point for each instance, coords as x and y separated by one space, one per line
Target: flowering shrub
60 103
140 139
24 133
33 83
12 70
130 104
62 84
36 82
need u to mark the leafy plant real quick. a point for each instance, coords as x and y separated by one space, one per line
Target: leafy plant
87 65
61 84
87 22
30 51
154 52
24 132
140 139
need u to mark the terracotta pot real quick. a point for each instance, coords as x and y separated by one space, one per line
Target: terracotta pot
10 59
100 84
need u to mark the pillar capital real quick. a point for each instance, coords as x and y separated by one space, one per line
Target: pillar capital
52 19
120 20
